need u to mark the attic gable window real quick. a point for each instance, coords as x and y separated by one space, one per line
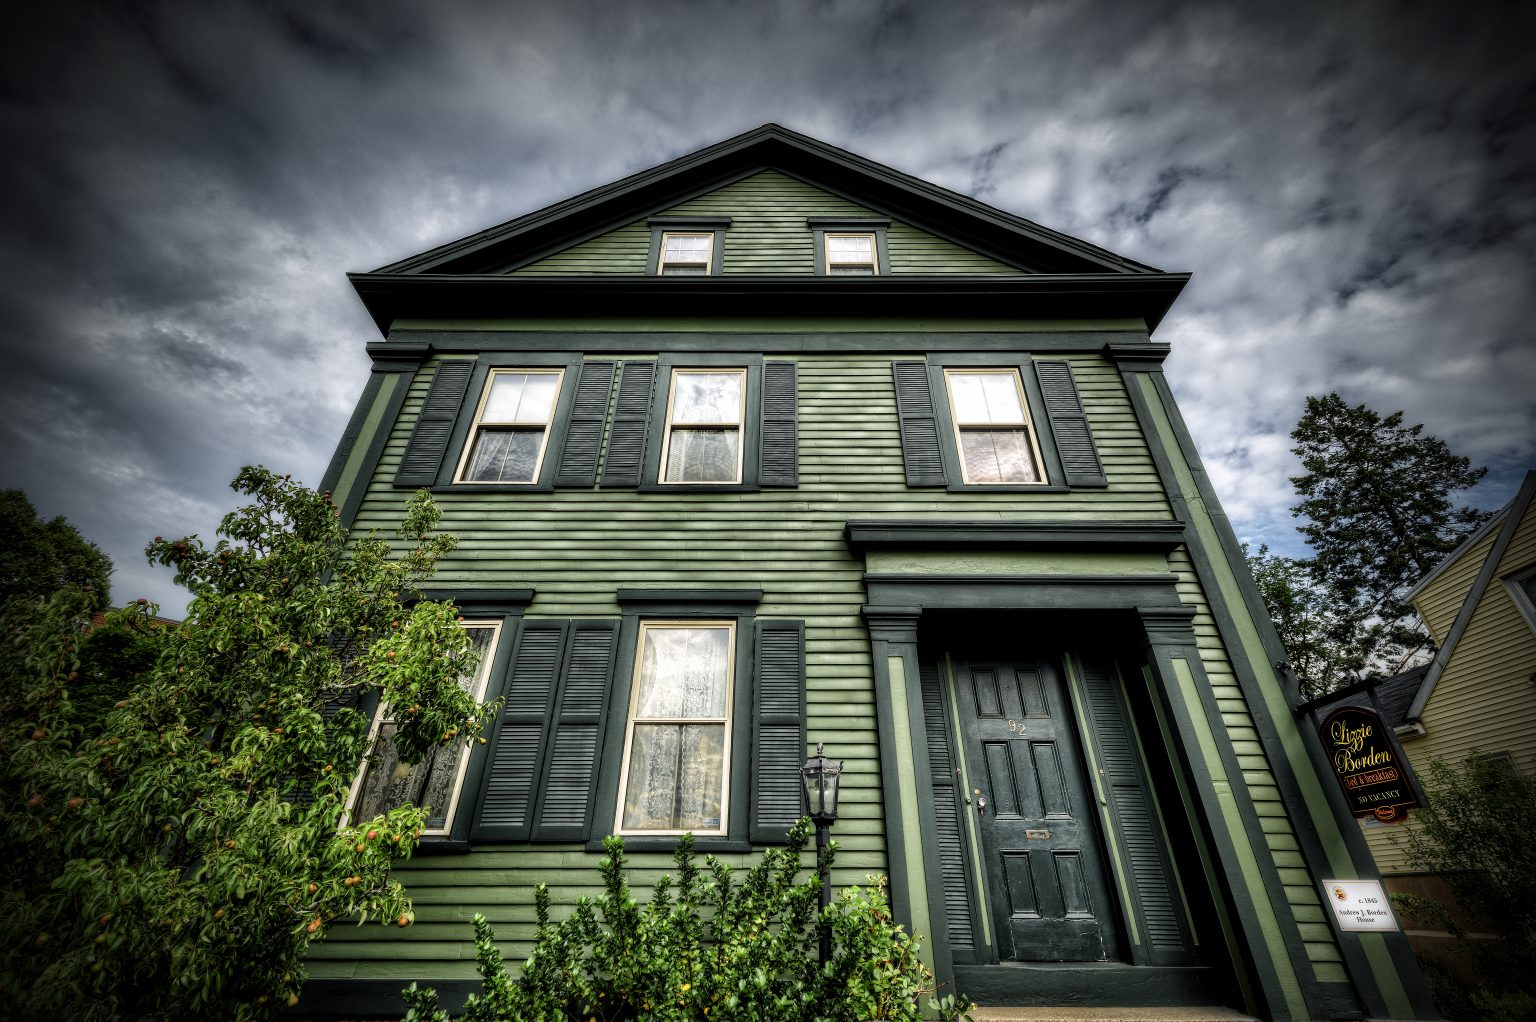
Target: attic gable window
511 426
685 253
850 246
851 254
687 245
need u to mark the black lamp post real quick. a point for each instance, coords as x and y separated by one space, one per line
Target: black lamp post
819 777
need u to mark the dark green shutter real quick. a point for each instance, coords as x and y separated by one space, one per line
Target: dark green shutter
434 424
584 435
947 802
778 732
631 417
779 455
517 749
1138 832
919 427
1069 424
570 777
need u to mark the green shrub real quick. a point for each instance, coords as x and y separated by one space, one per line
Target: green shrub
709 946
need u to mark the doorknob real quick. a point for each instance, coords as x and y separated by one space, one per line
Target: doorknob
981 805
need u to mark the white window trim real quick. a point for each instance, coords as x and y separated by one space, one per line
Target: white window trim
874 252
475 426
957 426
739 425
725 722
1515 586
709 251
382 716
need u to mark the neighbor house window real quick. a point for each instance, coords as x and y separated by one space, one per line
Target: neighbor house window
996 441
678 741
705 411
511 426
851 254
685 253
387 781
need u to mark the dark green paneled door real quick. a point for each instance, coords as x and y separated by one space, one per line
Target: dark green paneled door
1036 817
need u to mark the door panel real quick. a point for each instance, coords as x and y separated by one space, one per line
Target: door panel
1035 811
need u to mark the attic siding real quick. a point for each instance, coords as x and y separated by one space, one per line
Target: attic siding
768 234
578 547
1484 702
1441 601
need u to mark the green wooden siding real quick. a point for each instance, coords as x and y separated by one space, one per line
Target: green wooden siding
768 234
577 547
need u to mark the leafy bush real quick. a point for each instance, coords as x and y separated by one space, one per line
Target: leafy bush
1475 833
709 946
170 794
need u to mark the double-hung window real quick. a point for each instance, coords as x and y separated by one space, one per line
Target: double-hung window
993 433
511 427
706 411
991 421
677 747
386 781
851 254
683 253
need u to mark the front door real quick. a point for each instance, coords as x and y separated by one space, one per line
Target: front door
1036 815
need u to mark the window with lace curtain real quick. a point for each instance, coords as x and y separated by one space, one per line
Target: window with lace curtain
705 413
677 746
386 781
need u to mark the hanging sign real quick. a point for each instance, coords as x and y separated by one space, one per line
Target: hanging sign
1369 765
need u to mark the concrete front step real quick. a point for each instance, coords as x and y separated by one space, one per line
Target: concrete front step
1159 1014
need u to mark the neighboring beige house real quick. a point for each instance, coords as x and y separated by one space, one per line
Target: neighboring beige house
1478 696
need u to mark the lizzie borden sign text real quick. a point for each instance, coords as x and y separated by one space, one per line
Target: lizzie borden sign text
1369 765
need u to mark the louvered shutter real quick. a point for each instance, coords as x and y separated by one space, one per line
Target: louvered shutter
434 424
570 778
1136 827
517 750
919 428
631 417
947 813
778 733
779 456
1074 440
584 435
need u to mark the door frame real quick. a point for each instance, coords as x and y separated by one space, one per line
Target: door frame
1136 609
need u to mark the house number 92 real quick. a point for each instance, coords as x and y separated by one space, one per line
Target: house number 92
1017 727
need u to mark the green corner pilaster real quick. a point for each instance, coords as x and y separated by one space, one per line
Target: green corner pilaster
915 897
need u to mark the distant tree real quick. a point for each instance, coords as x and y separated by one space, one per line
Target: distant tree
1304 618
174 858
1376 498
37 557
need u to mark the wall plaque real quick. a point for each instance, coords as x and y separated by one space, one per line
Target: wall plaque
1359 905
1369 765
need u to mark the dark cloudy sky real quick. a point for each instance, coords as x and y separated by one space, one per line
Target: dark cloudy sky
185 184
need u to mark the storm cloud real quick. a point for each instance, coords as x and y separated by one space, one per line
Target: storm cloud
185 186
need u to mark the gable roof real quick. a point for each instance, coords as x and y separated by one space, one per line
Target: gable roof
1058 273
1012 239
1510 516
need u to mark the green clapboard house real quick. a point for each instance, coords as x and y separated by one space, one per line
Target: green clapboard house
773 445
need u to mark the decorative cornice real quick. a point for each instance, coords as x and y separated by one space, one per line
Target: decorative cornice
1143 356
1160 537
1143 296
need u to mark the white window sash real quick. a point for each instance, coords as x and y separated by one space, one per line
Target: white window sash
480 425
725 425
